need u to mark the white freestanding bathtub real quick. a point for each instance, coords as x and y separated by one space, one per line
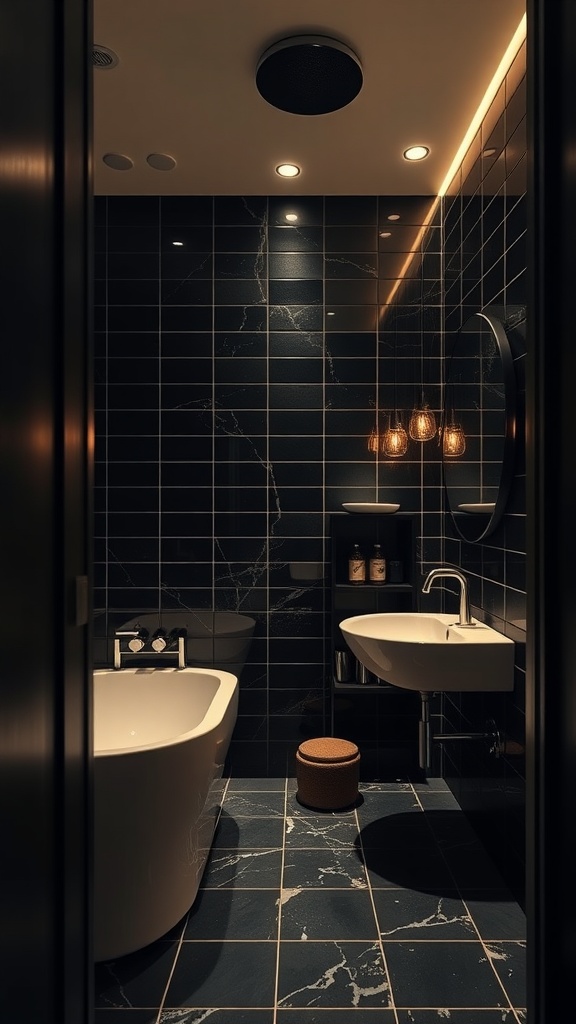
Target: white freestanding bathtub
161 736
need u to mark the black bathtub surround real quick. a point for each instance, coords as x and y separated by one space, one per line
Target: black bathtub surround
392 910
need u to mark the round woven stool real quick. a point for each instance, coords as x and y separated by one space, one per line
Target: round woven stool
327 772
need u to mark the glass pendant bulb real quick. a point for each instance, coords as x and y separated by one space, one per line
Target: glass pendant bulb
422 426
395 439
374 441
453 440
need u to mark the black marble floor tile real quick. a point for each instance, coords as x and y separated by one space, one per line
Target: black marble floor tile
248 869
253 805
340 914
136 980
215 1016
447 975
233 914
384 787
378 805
319 833
342 975
294 807
257 785
509 961
330 868
239 975
406 832
472 866
472 1016
244 832
360 1016
495 913
420 869
431 786
407 914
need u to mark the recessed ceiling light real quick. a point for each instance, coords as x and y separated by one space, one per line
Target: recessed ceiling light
177 243
117 161
291 217
416 153
330 312
393 216
385 234
288 170
489 152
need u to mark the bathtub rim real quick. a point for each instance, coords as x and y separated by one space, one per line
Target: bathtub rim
226 692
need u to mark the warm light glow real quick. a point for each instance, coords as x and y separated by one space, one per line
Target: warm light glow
291 217
374 441
422 426
453 440
395 440
499 76
416 153
288 170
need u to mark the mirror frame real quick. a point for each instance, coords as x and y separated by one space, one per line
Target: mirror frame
482 524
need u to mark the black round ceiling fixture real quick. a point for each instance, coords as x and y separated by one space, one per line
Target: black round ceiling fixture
309 75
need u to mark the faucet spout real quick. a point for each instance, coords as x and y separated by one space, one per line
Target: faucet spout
465 618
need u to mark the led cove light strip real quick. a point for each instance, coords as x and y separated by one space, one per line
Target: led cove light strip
499 76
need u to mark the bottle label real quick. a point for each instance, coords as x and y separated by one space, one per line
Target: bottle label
356 570
377 570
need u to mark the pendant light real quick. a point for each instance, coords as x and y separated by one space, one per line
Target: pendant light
453 438
395 438
422 426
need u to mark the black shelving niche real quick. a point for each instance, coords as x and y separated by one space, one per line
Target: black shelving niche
381 718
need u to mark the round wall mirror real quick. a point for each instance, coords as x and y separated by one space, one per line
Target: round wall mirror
479 426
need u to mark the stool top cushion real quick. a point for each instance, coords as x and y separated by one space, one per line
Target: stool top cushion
328 750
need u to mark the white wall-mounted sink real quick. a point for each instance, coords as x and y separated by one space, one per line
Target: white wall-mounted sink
429 652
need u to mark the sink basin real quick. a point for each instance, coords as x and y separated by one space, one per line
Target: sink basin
428 652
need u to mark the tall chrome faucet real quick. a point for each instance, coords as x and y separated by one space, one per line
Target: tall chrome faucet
465 619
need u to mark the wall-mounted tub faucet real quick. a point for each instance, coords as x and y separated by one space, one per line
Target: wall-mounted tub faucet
160 645
465 619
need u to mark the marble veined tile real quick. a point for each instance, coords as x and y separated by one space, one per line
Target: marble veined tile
327 913
319 832
255 805
407 914
447 975
233 914
332 974
330 868
239 975
212 1015
255 869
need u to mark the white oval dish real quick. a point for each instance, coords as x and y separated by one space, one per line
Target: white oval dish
370 506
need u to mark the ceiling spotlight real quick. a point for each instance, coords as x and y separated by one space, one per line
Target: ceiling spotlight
416 153
489 152
393 216
309 75
385 234
288 170
291 217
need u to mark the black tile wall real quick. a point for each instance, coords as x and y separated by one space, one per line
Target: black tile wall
485 225
242 360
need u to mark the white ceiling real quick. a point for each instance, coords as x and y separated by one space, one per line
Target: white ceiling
185 86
